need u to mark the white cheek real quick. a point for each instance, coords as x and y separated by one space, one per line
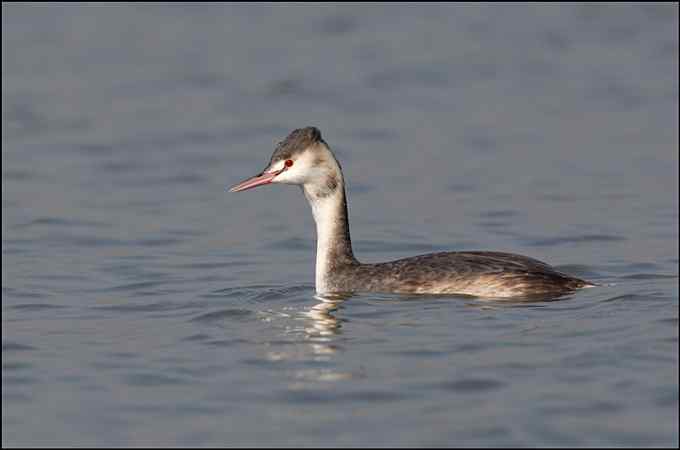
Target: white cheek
289 176
298 173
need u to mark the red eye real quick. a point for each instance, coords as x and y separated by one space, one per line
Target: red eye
289 162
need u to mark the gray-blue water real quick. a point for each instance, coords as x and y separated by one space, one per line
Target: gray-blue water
142 304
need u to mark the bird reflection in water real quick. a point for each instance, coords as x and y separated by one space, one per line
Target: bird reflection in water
324 323
321 332
324 326
317 331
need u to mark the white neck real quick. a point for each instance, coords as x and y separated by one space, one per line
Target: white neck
333 245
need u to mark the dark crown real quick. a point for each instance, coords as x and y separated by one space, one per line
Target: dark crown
296 142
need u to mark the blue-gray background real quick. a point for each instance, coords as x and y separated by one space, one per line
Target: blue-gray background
142 304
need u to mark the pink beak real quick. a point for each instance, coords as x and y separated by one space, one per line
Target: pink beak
257 180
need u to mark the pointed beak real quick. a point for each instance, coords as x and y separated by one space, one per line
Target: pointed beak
257 180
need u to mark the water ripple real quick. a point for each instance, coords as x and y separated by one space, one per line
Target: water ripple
143 307
629 298
10 346
152 379
472 385
36 306
232 314
563 240
648 276
61 222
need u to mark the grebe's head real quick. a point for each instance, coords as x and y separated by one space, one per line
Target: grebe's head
303 158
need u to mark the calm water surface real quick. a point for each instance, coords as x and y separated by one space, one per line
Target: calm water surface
144 305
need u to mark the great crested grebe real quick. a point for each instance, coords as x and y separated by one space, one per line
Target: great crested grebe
305 159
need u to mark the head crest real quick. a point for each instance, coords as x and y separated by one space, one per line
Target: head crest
296 142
